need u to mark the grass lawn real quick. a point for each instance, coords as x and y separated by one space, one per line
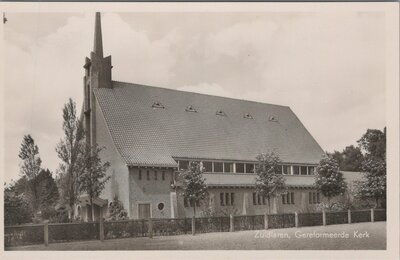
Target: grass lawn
360 236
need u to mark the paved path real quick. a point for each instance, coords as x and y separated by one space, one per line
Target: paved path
360 236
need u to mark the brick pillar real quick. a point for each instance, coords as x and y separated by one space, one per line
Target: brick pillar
193 226
349 215
324 217
150 222
266 221
101 225
231 224
46 233
372 215
296 219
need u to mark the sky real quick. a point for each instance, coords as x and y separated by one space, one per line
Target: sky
328 67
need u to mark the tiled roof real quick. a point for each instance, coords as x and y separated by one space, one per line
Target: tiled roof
147 135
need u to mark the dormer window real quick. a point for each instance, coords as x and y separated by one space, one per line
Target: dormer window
220 113
157 104
273 118
247 116
190 108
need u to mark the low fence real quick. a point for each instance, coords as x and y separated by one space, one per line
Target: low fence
23 235
168 227
126 228
310 219
63 232
281 221
211 224
341 217
248 222
360 216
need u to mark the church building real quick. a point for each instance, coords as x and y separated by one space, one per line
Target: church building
150 134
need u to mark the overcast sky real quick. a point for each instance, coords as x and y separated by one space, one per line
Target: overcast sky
329 68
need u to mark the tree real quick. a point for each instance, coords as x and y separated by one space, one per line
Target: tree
30 168
193 184
350 159
269 182
48 191
94 177
45 190
16 209
71 151
329 180
373 185
373 143
116 210
338 156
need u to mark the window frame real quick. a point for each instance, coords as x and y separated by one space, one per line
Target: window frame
222 167
229 165
243 167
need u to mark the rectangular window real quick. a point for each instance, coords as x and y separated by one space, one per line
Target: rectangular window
185 203
207 166
286 169
279 169
318 201
292 197
218 167
254 198
311 170
140 174
155 175
148 175
287 198
163 175
283 199
310 197
296 170
227 200
232 198
314 198
258 200
183 165
303 170
228 167
221 199
249 168
240 167
263 200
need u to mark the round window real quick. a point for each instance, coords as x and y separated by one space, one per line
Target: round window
160 206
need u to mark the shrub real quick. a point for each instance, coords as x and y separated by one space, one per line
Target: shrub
116 210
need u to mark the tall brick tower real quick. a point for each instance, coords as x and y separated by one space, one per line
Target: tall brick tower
97 75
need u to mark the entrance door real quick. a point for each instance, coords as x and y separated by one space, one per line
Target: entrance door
144 211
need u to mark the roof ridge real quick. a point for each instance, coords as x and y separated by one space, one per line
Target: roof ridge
177 90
